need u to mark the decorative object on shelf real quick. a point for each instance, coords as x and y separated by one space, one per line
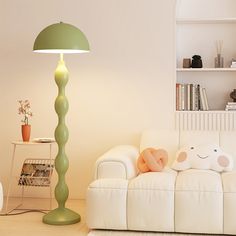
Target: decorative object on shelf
25 110
44 140
61 38
25 132
187 63
230 106
196 61
233 95
219 60
233 63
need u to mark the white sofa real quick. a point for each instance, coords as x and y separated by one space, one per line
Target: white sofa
191 201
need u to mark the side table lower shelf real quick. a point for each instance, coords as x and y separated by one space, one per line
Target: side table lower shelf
34 173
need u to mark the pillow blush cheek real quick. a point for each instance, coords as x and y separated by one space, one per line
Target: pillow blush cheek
223 161
182 157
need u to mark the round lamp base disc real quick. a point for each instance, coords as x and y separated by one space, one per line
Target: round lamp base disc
61 216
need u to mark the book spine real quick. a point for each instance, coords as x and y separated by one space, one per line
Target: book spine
177 97
205 98
192 97
188 97
197 97
202 102
182 97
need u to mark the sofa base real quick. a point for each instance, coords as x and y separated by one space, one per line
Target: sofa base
136 233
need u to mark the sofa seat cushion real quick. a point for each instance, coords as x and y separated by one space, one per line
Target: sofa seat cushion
229 187
199 202
199 180
151 201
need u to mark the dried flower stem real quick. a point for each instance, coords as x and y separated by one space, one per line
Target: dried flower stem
25 110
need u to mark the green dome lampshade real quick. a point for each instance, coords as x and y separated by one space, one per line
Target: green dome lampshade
61 38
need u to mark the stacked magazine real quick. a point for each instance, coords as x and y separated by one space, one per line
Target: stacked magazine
36 172
191 97
231 106
233 64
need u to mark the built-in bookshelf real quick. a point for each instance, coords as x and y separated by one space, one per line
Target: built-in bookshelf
197 32
218 82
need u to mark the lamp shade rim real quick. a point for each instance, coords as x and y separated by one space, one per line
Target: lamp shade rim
64 51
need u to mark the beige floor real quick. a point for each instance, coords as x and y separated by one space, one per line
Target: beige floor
31 223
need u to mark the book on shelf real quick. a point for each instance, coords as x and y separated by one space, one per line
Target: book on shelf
198 103
202 102
205 99
191 97
188 97
36 172
177 97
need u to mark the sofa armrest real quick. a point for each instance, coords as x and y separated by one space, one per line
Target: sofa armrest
118 162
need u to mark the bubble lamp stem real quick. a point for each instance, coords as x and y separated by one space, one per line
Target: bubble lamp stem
61 215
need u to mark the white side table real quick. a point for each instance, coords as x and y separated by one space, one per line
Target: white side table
26 144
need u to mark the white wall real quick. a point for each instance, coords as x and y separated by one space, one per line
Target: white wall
124 85
205 9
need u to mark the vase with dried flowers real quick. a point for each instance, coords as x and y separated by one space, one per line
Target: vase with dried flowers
25 110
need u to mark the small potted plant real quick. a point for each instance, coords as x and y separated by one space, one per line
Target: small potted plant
25 110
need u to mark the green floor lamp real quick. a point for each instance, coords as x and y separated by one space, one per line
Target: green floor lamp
61 38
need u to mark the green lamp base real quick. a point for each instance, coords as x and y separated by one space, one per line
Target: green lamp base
61 216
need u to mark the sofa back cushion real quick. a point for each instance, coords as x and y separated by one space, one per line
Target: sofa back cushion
194 138
173 140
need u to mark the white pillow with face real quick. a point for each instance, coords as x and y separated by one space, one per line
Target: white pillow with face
204 157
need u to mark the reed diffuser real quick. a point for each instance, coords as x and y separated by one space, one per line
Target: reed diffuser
219 60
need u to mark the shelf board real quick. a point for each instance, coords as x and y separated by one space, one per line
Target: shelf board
206 21
206 69
209 111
